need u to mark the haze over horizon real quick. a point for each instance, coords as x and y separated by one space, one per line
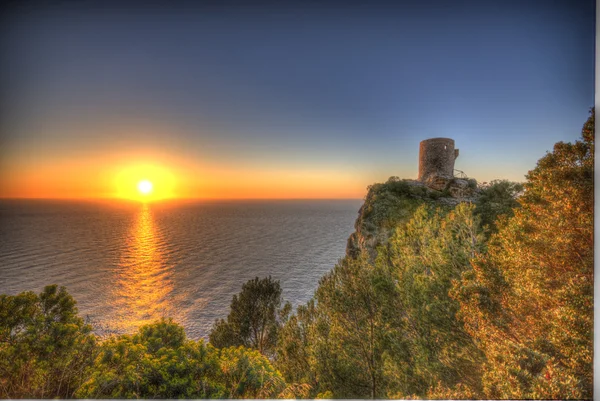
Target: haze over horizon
301 100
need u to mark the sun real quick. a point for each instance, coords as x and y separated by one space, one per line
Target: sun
145 187
145 182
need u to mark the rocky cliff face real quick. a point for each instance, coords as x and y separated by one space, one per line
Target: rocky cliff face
393 203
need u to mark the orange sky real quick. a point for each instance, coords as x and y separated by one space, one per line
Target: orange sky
109 160
117 175
241 105
93 169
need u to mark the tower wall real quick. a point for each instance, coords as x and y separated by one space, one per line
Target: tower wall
436 158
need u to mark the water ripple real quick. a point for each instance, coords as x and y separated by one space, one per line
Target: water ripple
127 264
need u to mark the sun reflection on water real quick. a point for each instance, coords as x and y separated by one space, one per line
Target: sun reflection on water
144 282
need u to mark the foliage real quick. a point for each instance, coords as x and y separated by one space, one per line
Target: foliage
157 362
387 327
528 302
295 345
340 342
324 396
428 255
358 329
44 346
459 391
296 390
249 374
390 203
253 320
498 198
47 351
472 183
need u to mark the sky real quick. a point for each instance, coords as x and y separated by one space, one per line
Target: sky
283 100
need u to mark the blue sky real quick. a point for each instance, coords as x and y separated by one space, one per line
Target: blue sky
350 88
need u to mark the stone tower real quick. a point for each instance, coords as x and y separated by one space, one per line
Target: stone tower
436 160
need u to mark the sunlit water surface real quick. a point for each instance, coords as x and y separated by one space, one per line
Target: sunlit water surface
128 264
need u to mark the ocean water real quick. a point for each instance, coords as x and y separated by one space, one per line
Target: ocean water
128 263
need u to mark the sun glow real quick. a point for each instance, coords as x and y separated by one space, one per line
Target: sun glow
143 285
145 182
145 187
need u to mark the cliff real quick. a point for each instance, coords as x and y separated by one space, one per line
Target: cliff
392 203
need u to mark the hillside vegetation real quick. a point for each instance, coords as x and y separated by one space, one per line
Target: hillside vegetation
489 295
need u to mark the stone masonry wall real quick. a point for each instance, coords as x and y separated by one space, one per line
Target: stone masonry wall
436 159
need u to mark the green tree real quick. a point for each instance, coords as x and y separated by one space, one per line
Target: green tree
361 316
159 362
388 327
254 317
498 198
294 345
428 255
341 342
247 373
528 302
156 362
45 347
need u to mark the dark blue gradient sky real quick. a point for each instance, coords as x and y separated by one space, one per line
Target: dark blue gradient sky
345 89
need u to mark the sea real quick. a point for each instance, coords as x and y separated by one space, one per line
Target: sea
128 263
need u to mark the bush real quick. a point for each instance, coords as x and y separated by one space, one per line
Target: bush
45 348
156 362
253 317
496 199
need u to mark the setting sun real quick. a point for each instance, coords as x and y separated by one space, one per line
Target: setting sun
145 187
145 182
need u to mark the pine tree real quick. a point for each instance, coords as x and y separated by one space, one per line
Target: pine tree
529 301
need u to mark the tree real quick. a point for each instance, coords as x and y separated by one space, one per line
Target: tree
428 255
160 362
45 348
253 319
388 327
342 343
156 362
498 198
247 373
528 302
295 359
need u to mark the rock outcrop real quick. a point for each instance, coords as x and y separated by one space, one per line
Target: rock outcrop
393 203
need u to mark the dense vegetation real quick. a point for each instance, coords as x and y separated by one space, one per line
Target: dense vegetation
492 299
46 351
253 317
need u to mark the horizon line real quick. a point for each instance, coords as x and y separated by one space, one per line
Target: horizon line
168 199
